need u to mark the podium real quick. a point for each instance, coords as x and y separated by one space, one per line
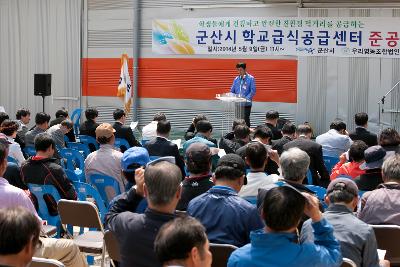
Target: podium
233 109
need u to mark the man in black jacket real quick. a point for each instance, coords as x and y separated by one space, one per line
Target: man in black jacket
161 146
89 126
241 138
320 175
361 132
61 115
122 131
289 134
271 121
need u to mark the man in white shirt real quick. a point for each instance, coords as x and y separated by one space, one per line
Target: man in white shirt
256 158
336 141
150 130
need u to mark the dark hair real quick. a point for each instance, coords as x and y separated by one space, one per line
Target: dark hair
303 129
22 113
283 208
389 137
118 114
91 113
340 194
338 125
102 140
3 152
272 115
18 227
130 176
41 118
237 122
203 126
361 118
198 118
163 127
3 116
62 113
262 132
67 123
43 141
198 165
241 131
159 116
256 154
176 239
228 173
356 151
8 127
289 128
241 65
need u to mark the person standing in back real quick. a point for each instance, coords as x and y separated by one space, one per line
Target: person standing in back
361 132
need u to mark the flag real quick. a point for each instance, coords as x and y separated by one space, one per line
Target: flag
125 86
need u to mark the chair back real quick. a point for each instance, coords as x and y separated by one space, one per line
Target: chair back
387 237
154 157
71 175
309 177
319 191
143 142
252 199
74 158
76 118
102 182
112 246
79 213
348 263
82 148
39 191
30 151
86 139
330 162
221 254
85 190
12 160
42 262
121 144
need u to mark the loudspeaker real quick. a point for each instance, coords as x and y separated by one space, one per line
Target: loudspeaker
42 86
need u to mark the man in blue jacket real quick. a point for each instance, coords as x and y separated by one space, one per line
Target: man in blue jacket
244 85
277 244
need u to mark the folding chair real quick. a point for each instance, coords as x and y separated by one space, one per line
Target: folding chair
387 237
112 246
320 192
330 162
85 190
82 148
30 151
88 140
121 144
84 214
74 160
42 262
252 199
154 157
348 263
221 253
72 175
103 183
143 142
12 160
75 118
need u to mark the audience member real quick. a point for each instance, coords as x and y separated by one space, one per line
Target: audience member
231 135
357 239
256 158
3 116
227 217
241 138
288 134
382 205
351 169
19 237
42 123
335 141
42 169
61 115
277 244
389 139
89 126
162 196
9 129
204 130
106 160
374 157
150 130
23 117
191 131
183 242
198 164
132 159
361 132
318 170
58 131
271 121
122 131
161 146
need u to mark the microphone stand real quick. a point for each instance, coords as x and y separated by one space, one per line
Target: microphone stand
382 102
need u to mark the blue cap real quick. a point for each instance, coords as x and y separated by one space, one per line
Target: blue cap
138 155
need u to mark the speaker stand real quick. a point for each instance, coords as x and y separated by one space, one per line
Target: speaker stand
43 102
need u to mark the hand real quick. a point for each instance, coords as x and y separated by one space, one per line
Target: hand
273 155
139 179
312 207
343 158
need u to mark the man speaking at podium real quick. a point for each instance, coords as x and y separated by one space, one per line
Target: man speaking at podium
245 86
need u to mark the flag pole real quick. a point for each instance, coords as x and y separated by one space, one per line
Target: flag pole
136 54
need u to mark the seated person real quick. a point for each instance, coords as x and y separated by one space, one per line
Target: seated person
122 131
198 164
271 121
42 124
228 218
161 146
382 205
204 130
58 131
62 114
389 139
150 130
256 158
230 135
183 242
336 141
132 159
241 138
192 130
288 134
23 117
357 239
277 243
9 129
89 126
361 132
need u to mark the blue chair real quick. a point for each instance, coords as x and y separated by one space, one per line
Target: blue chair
330 162
154 157
75 118
66 139
280 183
72 175
85 190
30 151
74 160
142 206
101 182
120 143
320 192
87 140
361 193
12 160
143 142
39 191
252 200
309 177
83 148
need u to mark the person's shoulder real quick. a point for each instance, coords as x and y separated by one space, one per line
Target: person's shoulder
132 221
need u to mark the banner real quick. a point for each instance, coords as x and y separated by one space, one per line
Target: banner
125 86
339 37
